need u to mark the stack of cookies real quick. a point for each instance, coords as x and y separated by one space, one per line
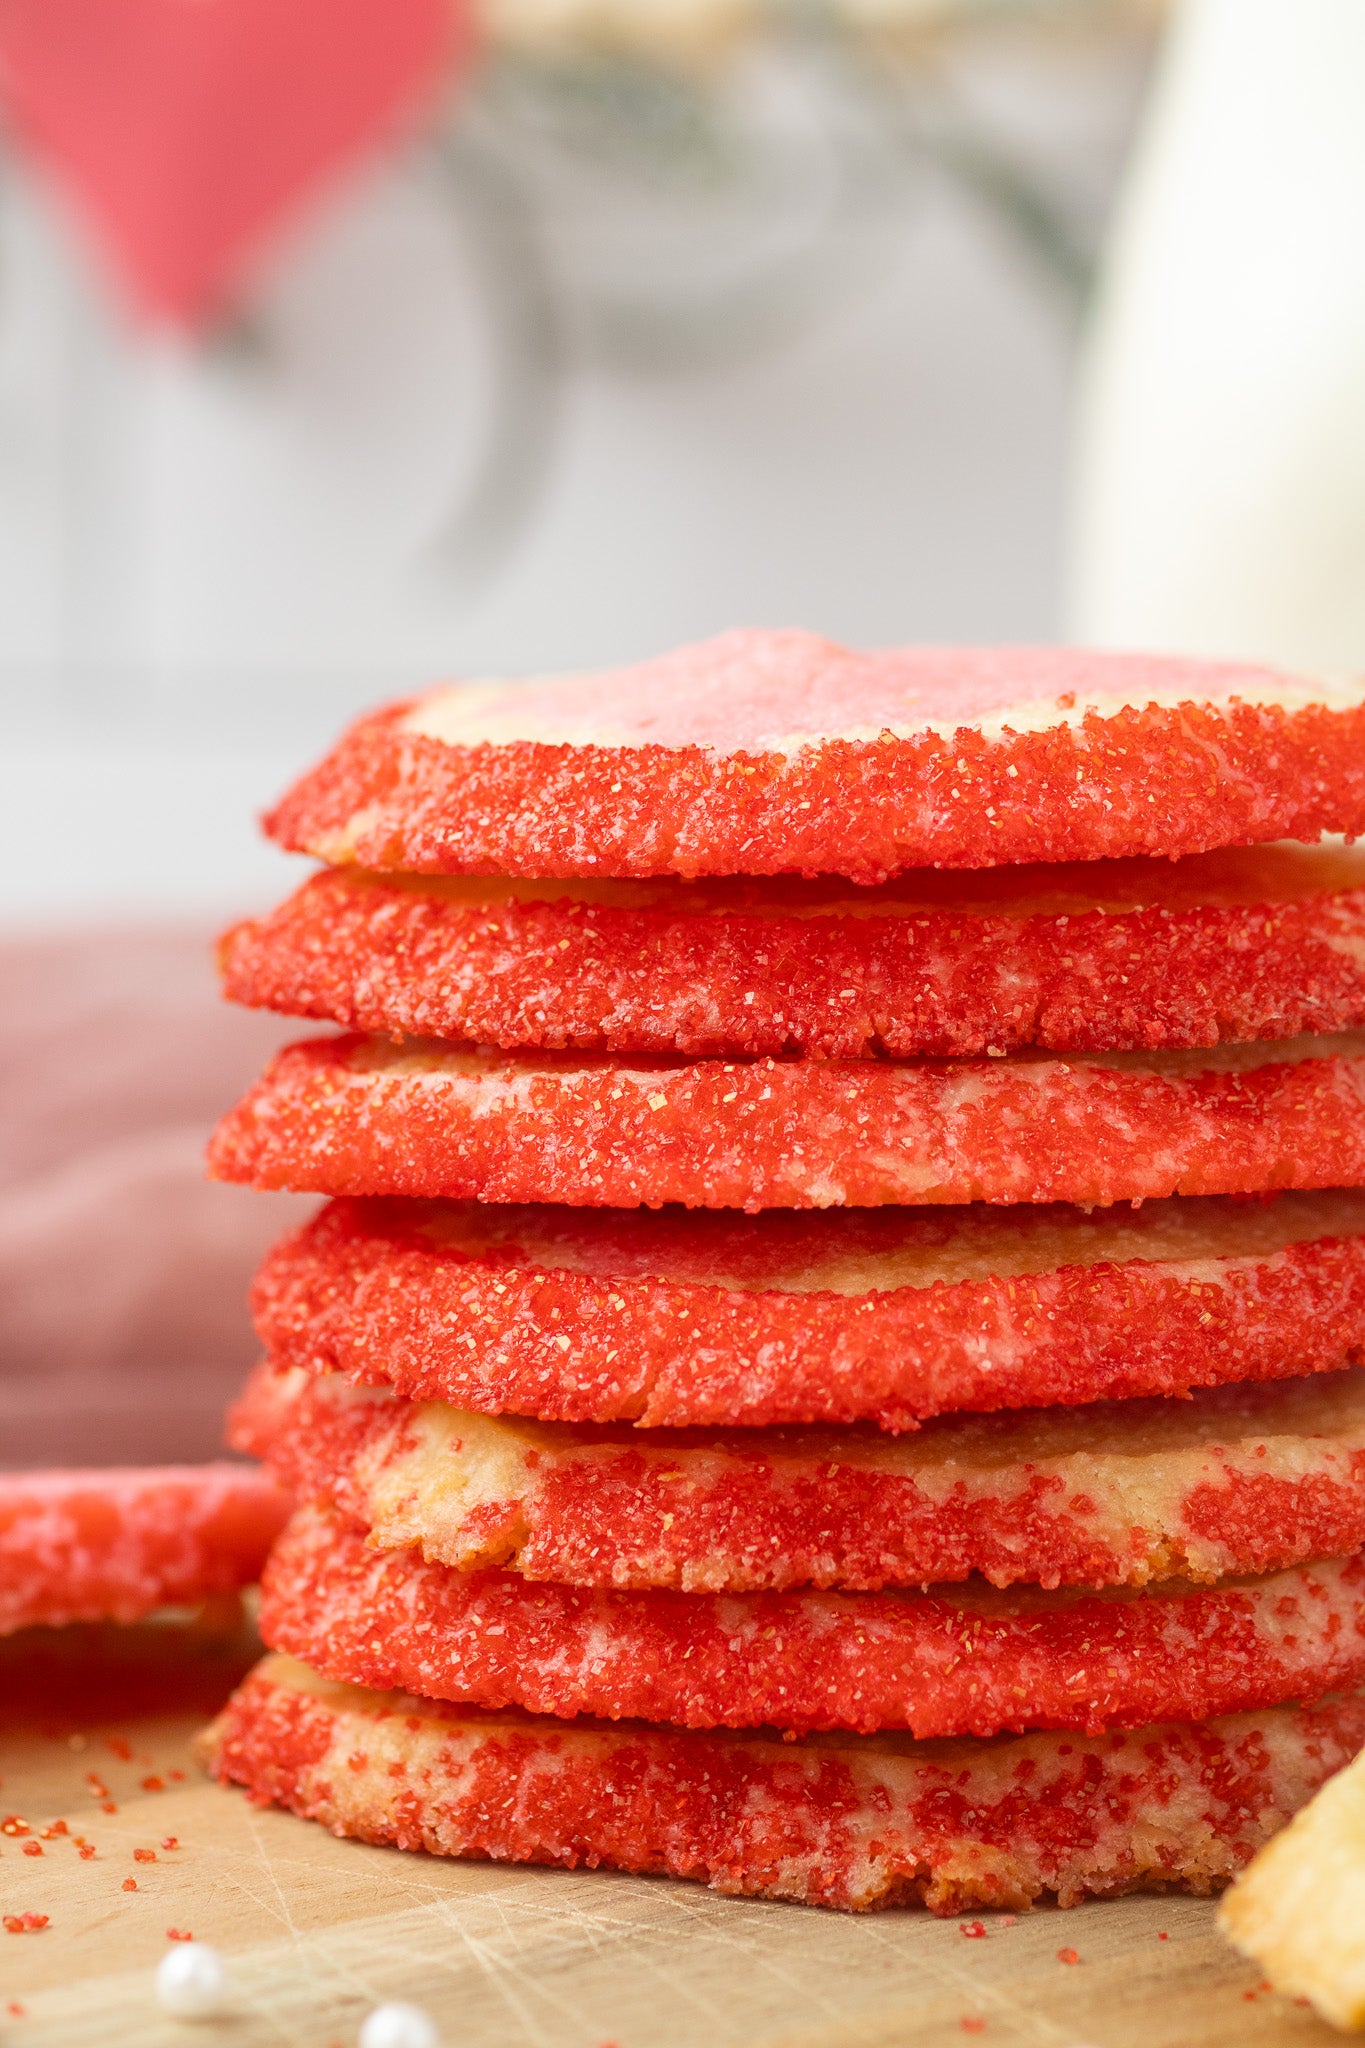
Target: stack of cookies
830 1366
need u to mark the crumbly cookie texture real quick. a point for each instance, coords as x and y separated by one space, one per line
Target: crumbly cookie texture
1247 943
115 1545
1233 1480
769 753
673 1317
1297 1911
359 1116
835 1820
954 1661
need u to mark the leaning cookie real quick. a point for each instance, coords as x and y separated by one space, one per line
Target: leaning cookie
772 753
358 1116
116 1545
836 1820
1251 942
678 1317
1233 1480
951 1661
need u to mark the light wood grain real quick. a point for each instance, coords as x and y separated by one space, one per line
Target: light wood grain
318 1931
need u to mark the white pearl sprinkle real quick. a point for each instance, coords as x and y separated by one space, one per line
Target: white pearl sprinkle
399 2026
191 1982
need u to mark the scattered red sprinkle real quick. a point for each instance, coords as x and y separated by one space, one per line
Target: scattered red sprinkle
972 2025
108 1806
1163 1937
153 1784
97 1785
15 2010
179 1934
118 1746
975 1930
1009 1920
1067 1955
170 1841
130 1884
1249 1995
87 1851
14 1824
33 1848
58 1827
144 1855
176 1777
24 1923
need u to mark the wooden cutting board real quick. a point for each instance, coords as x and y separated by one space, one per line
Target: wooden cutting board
318 1931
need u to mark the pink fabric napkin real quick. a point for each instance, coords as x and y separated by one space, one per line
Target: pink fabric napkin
123 1272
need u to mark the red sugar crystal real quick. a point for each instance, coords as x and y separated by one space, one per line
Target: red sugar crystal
90 1546
356 1116
1252 942
834 1820
946 1662
1234 1479
676 1317
763 753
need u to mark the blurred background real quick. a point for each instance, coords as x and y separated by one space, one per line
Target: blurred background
345 344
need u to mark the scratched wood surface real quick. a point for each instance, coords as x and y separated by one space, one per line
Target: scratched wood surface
317 1931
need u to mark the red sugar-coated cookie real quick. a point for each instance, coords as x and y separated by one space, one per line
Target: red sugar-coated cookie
356 1116
674 1317
1253 942
1235 1479
767 753
115 1545
832 1820
971 1662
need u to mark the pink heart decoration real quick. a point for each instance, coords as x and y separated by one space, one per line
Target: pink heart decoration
186 130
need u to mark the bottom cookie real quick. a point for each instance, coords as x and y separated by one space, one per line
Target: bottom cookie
843 1821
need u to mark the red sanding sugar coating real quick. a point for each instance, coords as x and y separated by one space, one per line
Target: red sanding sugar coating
675 1317
1233 1480
1255 942
768 753
355 1116
832 1820
967 1663
115 1545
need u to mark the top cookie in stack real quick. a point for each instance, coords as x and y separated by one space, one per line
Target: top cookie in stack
768 926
